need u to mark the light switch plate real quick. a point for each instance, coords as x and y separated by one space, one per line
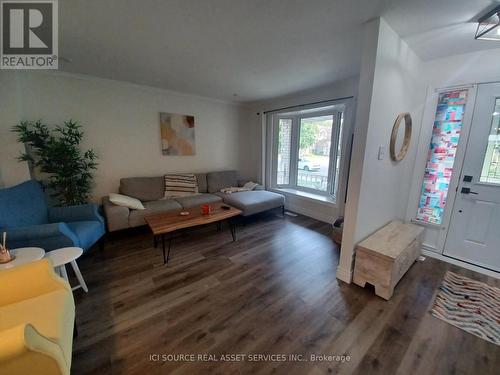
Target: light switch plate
382 151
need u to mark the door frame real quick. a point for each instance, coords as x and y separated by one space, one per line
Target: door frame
457 195
435 235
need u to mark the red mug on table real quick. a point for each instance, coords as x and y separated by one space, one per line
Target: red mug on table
205 209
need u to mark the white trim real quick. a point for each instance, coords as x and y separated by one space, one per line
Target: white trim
263 149
336 107
344 274
456 262
307 195
300 209
429 247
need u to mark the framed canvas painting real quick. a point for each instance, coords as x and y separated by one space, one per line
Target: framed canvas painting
177 134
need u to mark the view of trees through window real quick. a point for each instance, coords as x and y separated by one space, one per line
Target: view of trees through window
315 139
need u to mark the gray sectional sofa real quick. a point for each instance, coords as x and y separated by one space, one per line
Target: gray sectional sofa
150 190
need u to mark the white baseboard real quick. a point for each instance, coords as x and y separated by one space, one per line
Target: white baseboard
310 213
457 262
344 274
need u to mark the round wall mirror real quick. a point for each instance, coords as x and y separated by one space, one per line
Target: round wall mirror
404 145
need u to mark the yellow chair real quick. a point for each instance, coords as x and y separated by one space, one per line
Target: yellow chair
37 315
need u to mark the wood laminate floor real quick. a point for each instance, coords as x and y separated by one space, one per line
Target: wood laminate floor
273 291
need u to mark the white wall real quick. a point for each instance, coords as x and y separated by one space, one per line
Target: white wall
463 69
379 189
474 67
250 151
344 88
11 171
121 123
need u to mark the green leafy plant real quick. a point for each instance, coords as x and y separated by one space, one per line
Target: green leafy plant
56 153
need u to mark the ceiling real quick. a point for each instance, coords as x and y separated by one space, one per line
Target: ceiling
247 50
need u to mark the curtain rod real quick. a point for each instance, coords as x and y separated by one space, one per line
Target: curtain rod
306 104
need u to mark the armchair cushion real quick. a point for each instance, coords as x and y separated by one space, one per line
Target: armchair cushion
47 236
28 281
22 205
88 232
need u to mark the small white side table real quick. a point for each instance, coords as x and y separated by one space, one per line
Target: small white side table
23 255
61 257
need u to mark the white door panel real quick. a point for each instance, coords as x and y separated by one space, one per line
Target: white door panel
474 233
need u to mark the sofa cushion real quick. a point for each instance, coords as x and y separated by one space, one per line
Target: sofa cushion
52 314
221 180
136 217
88 232
202 182
143 188
252 202
198 200
23 205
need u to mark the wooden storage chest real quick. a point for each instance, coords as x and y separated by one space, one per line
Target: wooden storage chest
384 257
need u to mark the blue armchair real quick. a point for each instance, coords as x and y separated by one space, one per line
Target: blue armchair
28 221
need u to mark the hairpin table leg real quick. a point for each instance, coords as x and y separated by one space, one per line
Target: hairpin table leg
232 227
166 258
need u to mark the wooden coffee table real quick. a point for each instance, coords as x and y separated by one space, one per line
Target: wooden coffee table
169 222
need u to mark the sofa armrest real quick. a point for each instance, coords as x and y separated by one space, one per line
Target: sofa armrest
116 216
23 350
29 280
82 212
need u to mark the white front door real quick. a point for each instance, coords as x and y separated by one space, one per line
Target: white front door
474 233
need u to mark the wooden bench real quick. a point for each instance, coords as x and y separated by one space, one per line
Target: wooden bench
383 258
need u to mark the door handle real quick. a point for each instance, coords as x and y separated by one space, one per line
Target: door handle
466 190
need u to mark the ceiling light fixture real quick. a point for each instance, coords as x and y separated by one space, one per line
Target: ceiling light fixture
488 27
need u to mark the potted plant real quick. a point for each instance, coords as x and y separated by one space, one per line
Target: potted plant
57 155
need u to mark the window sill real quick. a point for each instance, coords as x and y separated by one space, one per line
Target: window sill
306 194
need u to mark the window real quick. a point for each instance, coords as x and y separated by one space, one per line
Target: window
490 172
284 148
443 147
306 149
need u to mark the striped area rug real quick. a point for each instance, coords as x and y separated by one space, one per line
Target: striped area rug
469 305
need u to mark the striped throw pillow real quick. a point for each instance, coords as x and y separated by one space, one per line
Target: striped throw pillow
180 185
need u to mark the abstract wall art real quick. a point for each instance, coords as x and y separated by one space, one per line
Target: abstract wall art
177 134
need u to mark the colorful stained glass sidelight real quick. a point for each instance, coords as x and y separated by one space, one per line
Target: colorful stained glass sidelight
439 167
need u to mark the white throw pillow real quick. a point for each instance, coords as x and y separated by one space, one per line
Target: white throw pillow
126 201
250 185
